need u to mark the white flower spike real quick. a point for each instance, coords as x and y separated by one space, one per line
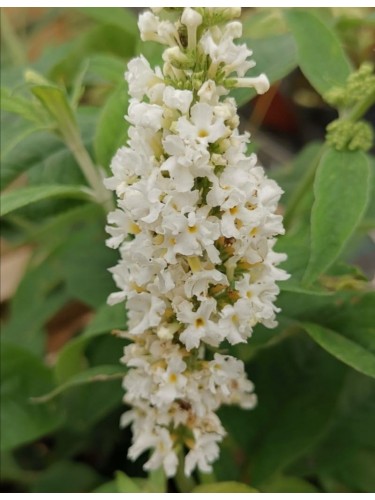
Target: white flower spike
195 226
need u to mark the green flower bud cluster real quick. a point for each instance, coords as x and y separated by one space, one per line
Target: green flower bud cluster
352 100
359 86
349 135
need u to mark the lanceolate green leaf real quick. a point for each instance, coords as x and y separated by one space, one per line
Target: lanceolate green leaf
71 357
320 54
344 349
89 376
26 108
22 376
341 190
112 127
22 197
55 100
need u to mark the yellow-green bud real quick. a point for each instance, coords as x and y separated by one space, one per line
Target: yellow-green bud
347 135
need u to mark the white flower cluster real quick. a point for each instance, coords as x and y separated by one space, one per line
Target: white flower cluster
195 226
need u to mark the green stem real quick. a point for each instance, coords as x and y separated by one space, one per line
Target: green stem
11 40
302 189
91 173
361 108
185 484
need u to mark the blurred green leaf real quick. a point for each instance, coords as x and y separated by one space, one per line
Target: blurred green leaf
290 420
289 484
38 297
157 481
260 23
107 318
71 358
353 317
24 196
105 67
109 487
125 484
341 190
23 375
353 433
67 477
55 101
124 18
25 147
86 260
13 103
102 39
89 376
320 54
224 487
346 350
276 64
85 405
112 128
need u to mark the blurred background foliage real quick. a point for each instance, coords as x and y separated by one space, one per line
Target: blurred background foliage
63 103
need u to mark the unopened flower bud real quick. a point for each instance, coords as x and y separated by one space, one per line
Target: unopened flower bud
191 19
260 83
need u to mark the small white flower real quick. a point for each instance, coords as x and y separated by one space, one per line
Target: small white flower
145 115
197 284
178 99
145 311
203 126
198 323
204 453
140 77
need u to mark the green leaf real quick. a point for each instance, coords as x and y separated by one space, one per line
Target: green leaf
85 407
23 146
86 260
320 54
276 64
353 433
55 101
67 477
290 420
23 107
89 376
345 318
38 297
22 197
105 67
71 358
23 375
341 190
107 318
344 349
112 128
288 484
156 482
224 487
125 484
124 18
109 487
